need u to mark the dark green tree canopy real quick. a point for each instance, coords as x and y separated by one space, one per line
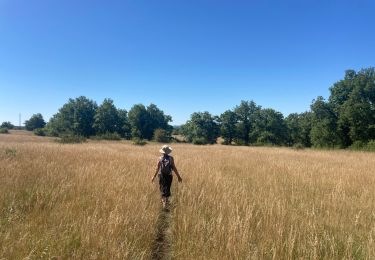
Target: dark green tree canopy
323 131
7 125
347 117
124 124
228 123
75 117
268 128
35 121
158 120
245 120
138 118
144 121
202 128
106 119
353 101
299 128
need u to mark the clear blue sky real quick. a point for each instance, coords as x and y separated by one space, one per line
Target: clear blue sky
183 55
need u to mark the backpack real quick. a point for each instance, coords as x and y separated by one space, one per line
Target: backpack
165 165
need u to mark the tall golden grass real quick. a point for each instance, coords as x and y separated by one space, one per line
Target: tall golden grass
83 201
95 201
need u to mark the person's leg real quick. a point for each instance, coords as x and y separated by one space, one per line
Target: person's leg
168 188
163 190
168 185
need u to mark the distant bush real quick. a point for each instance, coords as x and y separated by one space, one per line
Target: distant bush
107 136
4 131
370 145
362 146
162 136
7 125
39 132
328 147
35 122
51 132
265 144
71 139
358 145
239 142
298 146
138 141
199 140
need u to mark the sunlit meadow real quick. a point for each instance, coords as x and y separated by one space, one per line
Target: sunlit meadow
95 201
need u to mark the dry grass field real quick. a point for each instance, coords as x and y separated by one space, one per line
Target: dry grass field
95 201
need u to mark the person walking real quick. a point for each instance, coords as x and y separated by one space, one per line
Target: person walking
164 169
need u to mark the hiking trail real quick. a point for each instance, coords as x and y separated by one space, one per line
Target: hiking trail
161 244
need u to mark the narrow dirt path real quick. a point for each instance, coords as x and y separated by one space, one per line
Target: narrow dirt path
161 244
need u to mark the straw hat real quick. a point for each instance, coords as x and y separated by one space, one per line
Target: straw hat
166 149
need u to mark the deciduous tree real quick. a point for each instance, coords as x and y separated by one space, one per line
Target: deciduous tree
228 123
202 128
268 128
324 124
75 117
106 119
7 125
35 121
245 116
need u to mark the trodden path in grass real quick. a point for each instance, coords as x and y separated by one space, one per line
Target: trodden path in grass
161 244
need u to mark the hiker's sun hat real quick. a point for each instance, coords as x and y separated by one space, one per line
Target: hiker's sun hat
165 149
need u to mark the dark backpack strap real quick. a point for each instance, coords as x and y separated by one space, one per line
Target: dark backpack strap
165 157
165 163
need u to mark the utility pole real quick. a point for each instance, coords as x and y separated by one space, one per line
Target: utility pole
19 121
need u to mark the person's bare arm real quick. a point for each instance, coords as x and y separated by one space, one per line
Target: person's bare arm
156 172
176 171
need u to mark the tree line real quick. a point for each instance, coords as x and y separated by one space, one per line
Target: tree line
346 119
83 117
